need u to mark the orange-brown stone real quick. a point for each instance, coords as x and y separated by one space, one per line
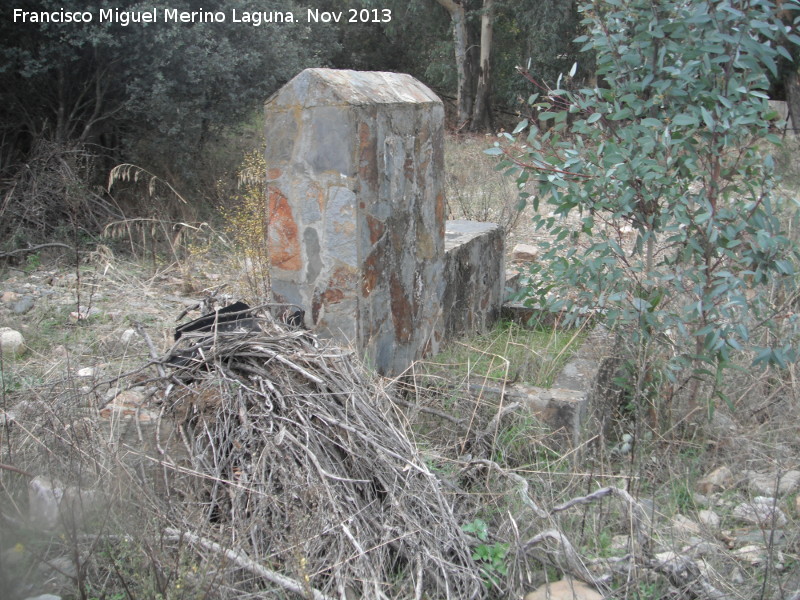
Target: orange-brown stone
376 229
401 311
340 280
284 245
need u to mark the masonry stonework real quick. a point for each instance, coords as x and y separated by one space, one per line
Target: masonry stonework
357 211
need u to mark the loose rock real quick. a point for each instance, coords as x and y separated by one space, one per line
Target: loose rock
127 336
682 525
23 305
718 480
761 511
766 484
708 518
44 498
524 252
565 589
12 342
9 297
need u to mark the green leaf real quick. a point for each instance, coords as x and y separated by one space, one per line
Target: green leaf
684 119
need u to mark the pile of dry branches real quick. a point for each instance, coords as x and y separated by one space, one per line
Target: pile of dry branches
304 467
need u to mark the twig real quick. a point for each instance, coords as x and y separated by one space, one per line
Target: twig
16 470
153 353
522 484
34 249
245 562
638 516
574 560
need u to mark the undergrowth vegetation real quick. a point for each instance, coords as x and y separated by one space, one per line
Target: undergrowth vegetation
511 352
277 466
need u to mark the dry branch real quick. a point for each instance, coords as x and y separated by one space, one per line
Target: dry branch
245 562
302 461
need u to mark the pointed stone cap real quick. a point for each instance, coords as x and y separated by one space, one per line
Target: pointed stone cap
332 87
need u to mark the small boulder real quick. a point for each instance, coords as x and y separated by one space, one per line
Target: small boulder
565 589
524 253
716 481
127 336
761 511
12 342
22 306
683 526
765 484
9 297
709 518
753 554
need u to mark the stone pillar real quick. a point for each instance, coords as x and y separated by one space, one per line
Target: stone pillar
357 214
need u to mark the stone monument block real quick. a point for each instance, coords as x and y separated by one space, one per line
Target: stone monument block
357 212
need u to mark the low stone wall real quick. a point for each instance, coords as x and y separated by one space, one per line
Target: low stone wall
577 403
474 277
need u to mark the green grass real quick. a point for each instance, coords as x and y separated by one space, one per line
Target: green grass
512 353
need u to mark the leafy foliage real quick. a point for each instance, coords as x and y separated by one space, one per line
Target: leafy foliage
663 211
155 93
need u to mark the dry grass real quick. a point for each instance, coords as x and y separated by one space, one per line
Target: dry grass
475 190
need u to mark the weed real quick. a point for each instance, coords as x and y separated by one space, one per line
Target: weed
511 352
491 557
248 225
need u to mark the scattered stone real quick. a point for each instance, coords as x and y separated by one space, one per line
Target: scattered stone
709 519
128 404
716 481
753 554
721 424
565 589
86 372
44 597
9 297
84 312
127 336
50 502
22 306
683 526
766 484
12 342
524 252
761 511
777 537
59 572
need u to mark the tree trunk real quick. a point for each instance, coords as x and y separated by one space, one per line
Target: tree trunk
458 15
792 85
481 120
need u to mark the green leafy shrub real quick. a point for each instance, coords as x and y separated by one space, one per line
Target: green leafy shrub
662 210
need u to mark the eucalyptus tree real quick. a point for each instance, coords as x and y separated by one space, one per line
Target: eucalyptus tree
671 149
